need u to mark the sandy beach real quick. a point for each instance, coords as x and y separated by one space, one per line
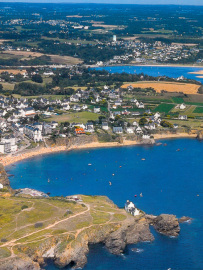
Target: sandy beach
11 159
171 136
200 72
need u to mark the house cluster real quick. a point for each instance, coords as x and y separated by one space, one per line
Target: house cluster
157 52
28 119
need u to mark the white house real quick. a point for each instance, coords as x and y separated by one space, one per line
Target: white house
3 123
9 143
145 136
29 111
157 115
135 124
130 130
89 127
140 105
105 126
138 130
182 106
96 109
182 117
130 208
74 98
84 106
33 133
77 108
66 107
118 130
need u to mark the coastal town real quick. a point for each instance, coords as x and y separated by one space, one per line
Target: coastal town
101 131
27 123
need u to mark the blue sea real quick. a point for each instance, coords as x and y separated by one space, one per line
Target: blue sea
170 181
173 72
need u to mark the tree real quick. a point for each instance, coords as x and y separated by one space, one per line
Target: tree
37 78
36 118
165 123
143 121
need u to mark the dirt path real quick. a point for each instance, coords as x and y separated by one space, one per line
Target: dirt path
12 242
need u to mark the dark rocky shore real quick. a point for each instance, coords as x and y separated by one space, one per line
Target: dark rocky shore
114 237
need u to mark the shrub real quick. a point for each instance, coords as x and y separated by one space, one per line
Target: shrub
3 240
38 224
24 207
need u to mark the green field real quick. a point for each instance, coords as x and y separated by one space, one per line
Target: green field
198 110
178 100
81 117
164 108
29 224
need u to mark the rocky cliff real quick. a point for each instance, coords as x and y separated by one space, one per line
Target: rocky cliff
64 228
3 177
73 141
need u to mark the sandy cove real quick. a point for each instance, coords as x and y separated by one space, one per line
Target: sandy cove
171 136
11 159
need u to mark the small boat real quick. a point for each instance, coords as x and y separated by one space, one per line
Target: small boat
138 250
110 183
143 159
135 196
178 150
48 180
120 166
89 164
141 195
113 174
158 144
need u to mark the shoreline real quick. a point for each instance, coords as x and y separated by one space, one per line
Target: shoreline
12 159
148 65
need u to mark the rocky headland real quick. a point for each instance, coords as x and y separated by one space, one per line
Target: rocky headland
62 229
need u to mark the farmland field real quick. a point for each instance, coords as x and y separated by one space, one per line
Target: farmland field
164 108
64 60
186 88
13 71
198 110
56 59
178 100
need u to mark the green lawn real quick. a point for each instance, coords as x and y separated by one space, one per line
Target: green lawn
164 108
81 117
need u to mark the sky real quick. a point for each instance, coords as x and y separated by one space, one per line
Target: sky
150 2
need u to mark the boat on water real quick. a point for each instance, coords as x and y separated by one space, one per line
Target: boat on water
110 183
138 250
89 164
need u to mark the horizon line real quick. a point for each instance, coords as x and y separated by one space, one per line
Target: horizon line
92 2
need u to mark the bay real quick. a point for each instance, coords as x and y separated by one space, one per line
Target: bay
170 181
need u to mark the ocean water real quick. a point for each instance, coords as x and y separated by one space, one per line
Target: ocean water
170 181
173 72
